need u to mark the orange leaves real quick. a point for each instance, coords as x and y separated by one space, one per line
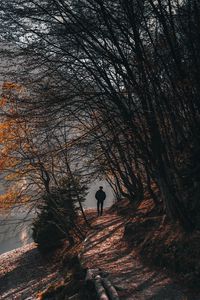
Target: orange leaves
11 86
14 148
11 197
7 199
3 101
9 144
6 130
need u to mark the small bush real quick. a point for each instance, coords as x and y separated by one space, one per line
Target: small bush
57 215
46 233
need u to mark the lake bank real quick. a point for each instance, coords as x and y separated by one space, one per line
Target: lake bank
24 272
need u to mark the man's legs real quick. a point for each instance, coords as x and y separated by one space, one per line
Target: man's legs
102 208
98 206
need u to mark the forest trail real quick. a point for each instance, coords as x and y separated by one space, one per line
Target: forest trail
105 248
24 272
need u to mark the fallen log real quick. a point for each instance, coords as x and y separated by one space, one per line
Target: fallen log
101 292
102 285
110 289
91 273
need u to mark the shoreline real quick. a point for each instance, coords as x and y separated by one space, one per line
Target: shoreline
24 272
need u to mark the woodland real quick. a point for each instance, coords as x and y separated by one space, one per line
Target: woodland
96 89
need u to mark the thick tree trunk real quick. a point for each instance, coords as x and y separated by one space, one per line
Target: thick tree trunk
174 209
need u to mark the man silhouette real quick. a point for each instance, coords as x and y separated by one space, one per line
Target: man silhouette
100 196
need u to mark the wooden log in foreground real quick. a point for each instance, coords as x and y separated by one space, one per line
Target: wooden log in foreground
101 292
104 288
91 273
112 293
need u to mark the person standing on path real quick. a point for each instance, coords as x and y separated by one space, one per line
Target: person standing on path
100 196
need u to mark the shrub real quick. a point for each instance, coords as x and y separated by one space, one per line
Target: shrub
57 214
45 231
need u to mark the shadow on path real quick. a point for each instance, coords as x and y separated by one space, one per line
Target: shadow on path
105 248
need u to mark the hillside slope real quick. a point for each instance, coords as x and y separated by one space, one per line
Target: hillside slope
106 248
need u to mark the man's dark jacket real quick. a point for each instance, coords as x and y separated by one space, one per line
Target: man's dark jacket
100 195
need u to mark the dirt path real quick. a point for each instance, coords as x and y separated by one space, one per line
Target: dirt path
23 272
104 248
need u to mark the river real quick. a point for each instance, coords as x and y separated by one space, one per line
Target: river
15 229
